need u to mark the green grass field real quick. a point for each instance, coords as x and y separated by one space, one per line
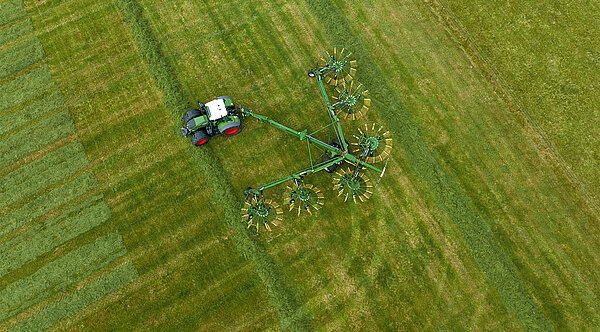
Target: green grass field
487 217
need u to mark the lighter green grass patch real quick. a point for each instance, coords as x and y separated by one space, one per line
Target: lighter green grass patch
35 137
80 300
44 237
58 274
47 202
25 88
11 10
42 172
14 32
31 112
20 56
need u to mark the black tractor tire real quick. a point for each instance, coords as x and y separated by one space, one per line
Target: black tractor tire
199 138
332 168
191 114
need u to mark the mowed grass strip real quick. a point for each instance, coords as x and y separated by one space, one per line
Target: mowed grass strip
21 117
488 254
20 56
40 173
53 232
11 10
291 312
42 204
15 31
36 136
25 87
78 301
59 274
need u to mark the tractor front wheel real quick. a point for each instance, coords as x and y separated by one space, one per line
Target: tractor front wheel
191 114
200 138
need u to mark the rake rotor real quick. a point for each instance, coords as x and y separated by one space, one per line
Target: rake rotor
335 65
371 141
352 100
352 184
303 197
257 212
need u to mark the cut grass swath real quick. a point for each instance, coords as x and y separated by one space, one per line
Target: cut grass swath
47 202
60 273
25 88
292 314
31 112
20 56
11 10
34 137
42 172
76 302
488 254
14 32
44 237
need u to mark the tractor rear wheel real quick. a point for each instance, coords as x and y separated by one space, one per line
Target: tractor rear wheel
199 138
233 126
191 114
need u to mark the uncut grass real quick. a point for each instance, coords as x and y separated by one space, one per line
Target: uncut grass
13 32
158 206
24 88
11 10
79 300
20 56
60 273
20 117
47 202
521 187
547 57
35 137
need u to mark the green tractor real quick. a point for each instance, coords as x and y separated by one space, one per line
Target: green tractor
217 117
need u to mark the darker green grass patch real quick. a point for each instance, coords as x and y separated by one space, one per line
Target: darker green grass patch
20 56
25 87
11 10
31 112
13 32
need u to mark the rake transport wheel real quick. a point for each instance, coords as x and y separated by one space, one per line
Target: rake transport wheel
335 65
372 141
304 197
257 213
352 100
351 185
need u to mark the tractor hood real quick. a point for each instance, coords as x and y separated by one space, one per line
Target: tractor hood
216 109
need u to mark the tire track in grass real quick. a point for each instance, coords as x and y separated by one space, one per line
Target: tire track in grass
291 313
488 254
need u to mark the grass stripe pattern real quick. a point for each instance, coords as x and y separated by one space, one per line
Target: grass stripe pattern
53 232
44 203
34 137
20 56
31 112
42 172
15 31
25 87
292 314
11 10
78 301
488 254
59 274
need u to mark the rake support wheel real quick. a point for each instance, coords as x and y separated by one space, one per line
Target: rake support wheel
257 212
350 184
372 142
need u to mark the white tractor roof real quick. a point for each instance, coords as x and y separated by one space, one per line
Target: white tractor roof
216 109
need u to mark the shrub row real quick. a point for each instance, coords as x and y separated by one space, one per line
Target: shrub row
31 112
20 56
292 314
11 10
78 301
41 173
14 32
34 137
60 273
46 202
490 257
53 232
25 87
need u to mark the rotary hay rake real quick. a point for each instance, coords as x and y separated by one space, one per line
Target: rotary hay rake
370 143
